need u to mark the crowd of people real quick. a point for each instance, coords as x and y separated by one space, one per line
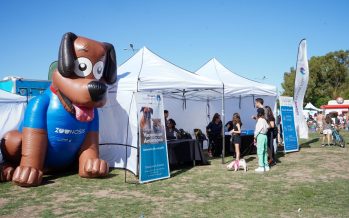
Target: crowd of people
325 125
265 132
267 129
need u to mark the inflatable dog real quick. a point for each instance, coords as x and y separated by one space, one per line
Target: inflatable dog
61 125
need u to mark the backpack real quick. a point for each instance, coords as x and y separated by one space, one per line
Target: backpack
199 135
183 134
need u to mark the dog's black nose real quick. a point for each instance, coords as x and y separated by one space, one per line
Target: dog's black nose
97 90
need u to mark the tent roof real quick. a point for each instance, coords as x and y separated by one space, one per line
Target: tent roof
311 107
147 71
234 83
7 97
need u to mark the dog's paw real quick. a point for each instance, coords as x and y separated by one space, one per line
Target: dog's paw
95 168
27 176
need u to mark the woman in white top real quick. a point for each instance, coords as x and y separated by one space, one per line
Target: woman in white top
261 138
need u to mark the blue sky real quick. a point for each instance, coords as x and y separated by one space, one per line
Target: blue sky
252 38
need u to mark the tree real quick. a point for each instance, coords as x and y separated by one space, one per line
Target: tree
328 78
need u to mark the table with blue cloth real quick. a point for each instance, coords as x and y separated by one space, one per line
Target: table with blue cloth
185 150
246 147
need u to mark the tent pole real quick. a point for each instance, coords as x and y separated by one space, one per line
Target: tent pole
223 130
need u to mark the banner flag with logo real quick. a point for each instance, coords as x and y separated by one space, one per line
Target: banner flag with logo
153 157
288 124
300 87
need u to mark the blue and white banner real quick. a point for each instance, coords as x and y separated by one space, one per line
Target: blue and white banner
153 164
300 87
288 124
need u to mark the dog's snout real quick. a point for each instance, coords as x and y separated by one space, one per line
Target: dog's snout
97 90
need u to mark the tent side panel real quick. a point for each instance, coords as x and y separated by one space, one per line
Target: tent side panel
188 115
118 131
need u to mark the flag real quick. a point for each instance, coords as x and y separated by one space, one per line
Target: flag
300 86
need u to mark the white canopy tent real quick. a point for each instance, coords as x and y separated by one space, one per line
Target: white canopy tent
310 109
185 96
190 98
240 92
12 109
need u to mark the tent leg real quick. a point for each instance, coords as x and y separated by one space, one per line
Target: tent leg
223 130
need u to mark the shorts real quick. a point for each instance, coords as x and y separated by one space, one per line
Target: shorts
327 132
236 139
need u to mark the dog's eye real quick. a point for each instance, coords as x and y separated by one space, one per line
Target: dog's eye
98 69
83 67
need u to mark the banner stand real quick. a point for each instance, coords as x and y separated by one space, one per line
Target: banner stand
153 161
288 124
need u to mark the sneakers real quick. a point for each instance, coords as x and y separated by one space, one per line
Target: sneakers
259 170
262 169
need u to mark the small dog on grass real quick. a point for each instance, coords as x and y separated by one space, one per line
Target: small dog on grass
236 165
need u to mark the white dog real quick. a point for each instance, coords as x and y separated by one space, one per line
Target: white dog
236 165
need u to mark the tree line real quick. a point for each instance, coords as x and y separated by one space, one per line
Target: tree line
328 78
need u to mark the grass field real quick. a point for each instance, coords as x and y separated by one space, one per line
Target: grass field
311 183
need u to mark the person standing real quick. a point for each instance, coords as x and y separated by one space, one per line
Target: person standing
270 135
260 138
327 132
319 122
214 133
234 128
258 104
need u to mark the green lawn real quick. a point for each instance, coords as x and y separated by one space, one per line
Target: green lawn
316 180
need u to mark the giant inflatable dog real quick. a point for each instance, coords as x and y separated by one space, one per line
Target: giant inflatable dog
61 125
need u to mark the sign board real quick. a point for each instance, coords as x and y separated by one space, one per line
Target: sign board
288 124
153 157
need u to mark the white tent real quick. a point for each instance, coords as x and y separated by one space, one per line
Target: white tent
191 99
311 107
146 71
234 84
185 96
12 109
240 92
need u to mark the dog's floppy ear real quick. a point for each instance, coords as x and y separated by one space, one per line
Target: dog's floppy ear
110 71
151 110
66 56
142 109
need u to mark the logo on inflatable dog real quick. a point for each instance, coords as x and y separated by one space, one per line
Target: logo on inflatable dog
61 125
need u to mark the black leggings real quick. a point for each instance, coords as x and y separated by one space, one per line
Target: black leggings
270 142
215 145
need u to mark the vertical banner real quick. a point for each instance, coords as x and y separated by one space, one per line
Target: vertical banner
300 86
288 124
153 157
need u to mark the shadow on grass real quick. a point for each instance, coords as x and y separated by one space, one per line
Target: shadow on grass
52 176
249 159
179 169
307 143
278 155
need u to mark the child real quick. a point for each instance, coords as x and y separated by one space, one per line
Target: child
327 132
235 130
261 138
